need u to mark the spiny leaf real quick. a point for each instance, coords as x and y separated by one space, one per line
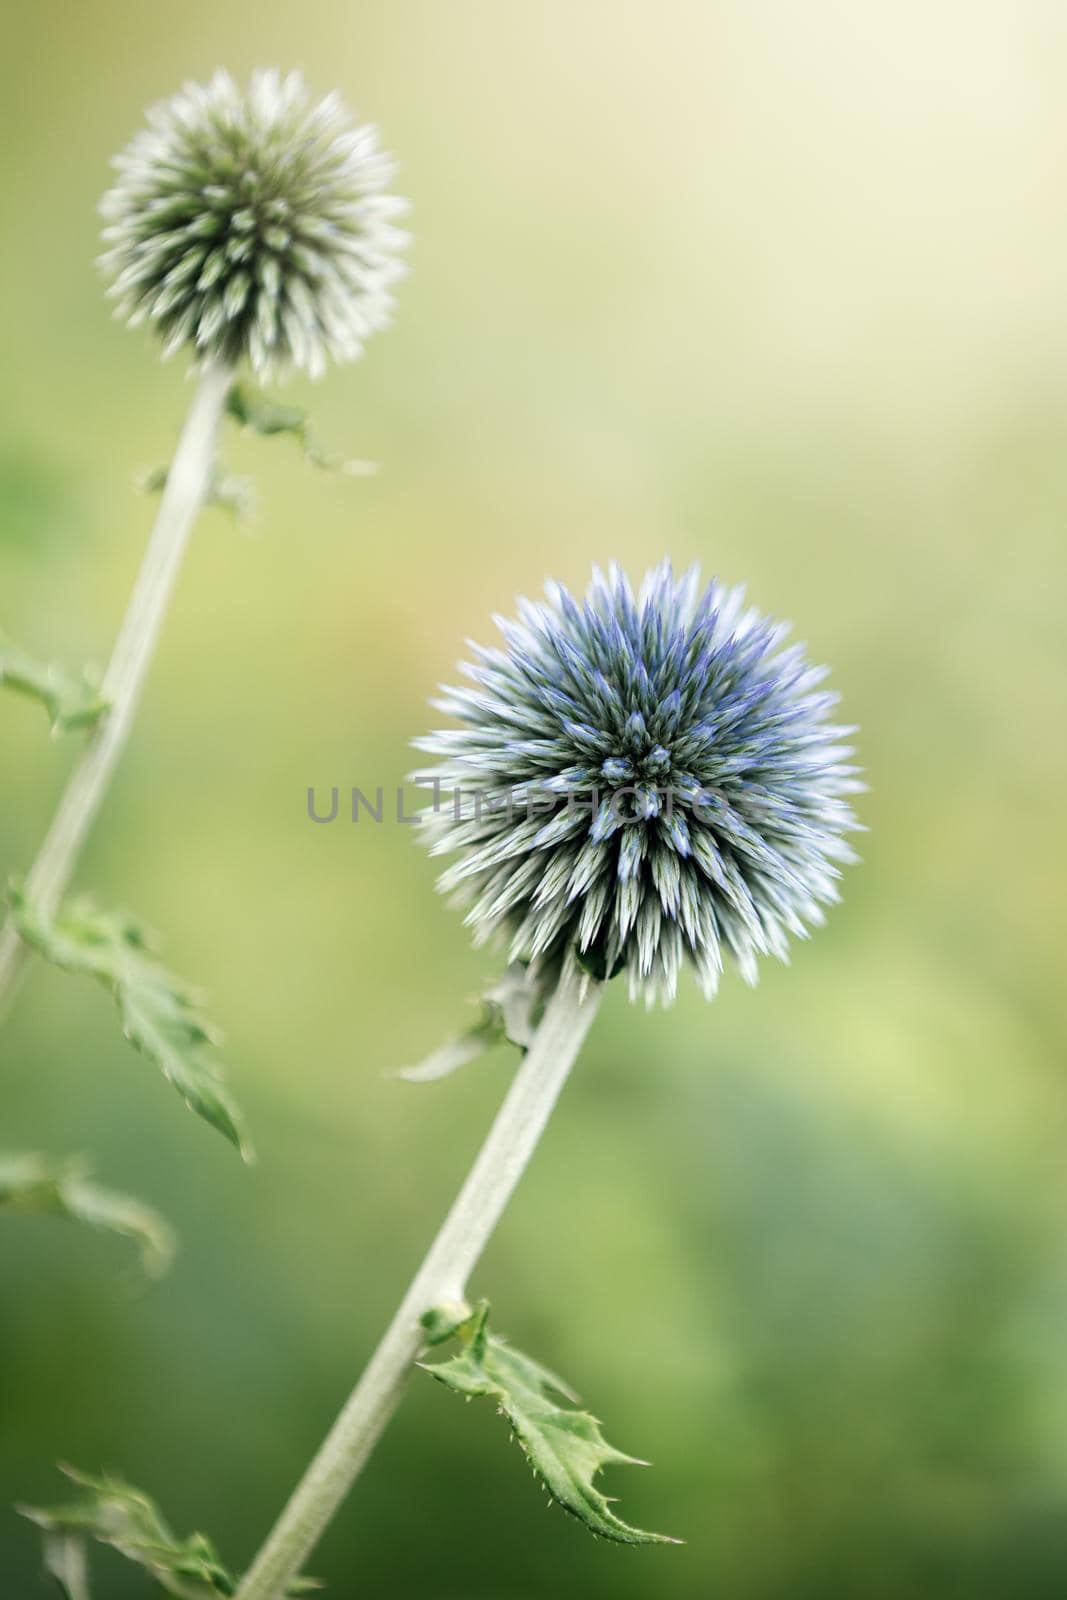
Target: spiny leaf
160 1014
115 1514
61 1188
564 1447
251 409
70 702
510 1010
228 490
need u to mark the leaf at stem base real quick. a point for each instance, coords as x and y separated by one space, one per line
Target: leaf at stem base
250 408
160 1014
115 1514
510 1009
69 701
62 1188
564 1446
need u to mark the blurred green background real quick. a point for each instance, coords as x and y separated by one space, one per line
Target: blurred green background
778 288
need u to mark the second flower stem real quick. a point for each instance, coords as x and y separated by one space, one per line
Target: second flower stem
187 486
442 1279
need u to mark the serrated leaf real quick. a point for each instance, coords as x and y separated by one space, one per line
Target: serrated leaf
160 1014
229 491
510 1009
564 1447
115 1514
62 1188
251 409
70 702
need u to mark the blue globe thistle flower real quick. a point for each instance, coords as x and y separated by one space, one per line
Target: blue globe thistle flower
643 781
253 225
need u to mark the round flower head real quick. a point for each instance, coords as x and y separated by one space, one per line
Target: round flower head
641 781
253 224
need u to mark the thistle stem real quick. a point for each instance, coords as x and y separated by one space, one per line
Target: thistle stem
188 481
442 1279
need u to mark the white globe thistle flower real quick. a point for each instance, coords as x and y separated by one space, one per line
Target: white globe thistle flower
253 225
643 780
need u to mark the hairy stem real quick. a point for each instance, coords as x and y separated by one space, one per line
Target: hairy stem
441 1279
187 485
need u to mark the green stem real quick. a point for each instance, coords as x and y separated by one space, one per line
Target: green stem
441 1279
184 493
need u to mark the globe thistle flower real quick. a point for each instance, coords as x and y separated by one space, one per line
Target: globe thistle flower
644 781
253 225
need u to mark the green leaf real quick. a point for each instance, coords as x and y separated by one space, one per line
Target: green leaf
62 1188
70 702
510 1010
114 1514
564 1447
227 490
251 409
66 1560
160 1014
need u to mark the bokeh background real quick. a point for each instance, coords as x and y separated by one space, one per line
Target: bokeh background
781 289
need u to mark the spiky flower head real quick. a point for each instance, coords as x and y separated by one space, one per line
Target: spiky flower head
643 781
252 224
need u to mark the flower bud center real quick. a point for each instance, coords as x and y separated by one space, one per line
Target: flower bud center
644 767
